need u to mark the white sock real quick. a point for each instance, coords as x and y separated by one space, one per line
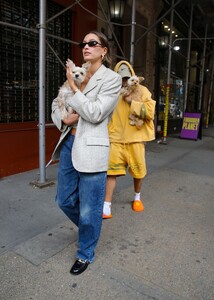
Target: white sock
107 208
137 196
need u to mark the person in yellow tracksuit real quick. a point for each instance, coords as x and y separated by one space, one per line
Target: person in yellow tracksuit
127 142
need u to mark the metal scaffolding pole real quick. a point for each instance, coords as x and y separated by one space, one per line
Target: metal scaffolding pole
202 70
188 60
42 63
210 93
168 76
160 19
133 33
185 23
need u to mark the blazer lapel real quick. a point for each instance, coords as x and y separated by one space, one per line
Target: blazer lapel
94 80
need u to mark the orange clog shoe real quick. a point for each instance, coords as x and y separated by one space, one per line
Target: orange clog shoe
137 205
107 216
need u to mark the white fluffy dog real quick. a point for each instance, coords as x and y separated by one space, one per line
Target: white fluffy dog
79 74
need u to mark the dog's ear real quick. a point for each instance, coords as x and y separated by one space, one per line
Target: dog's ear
141 79
86 65
70 64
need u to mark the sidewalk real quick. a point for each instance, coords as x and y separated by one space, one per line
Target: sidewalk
163 253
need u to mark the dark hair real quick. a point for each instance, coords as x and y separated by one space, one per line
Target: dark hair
104 42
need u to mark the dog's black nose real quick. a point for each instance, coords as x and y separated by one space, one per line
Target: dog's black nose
76 75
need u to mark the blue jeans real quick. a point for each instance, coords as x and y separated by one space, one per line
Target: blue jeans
81 198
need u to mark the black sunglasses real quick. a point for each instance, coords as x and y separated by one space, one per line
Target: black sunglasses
90 44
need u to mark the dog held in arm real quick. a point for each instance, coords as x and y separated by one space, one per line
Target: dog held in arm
133 92
79 75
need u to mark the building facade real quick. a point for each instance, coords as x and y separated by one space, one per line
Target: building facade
141 35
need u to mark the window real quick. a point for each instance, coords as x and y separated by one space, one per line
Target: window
19 52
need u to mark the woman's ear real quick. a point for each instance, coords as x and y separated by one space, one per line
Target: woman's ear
105 51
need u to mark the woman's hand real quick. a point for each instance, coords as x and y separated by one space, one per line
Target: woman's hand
71 119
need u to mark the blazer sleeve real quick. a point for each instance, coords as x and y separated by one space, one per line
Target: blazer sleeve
102 100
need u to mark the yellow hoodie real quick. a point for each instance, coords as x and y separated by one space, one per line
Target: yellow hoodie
120 131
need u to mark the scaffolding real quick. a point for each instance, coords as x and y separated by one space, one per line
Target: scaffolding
41 30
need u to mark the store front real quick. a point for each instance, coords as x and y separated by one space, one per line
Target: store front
19 83
177 79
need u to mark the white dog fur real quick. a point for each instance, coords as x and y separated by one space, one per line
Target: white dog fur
79 74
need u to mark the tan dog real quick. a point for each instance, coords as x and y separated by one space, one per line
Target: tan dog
133 92
79 74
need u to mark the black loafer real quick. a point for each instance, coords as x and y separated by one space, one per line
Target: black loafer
79 266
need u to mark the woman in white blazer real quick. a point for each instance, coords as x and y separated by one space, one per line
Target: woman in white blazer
83 153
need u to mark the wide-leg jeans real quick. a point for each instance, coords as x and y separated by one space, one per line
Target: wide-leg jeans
81 198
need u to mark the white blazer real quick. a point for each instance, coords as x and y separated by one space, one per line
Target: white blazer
95 104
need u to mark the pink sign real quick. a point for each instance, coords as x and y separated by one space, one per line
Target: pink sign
190 126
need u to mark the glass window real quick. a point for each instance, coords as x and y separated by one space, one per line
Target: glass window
19 52
177 78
